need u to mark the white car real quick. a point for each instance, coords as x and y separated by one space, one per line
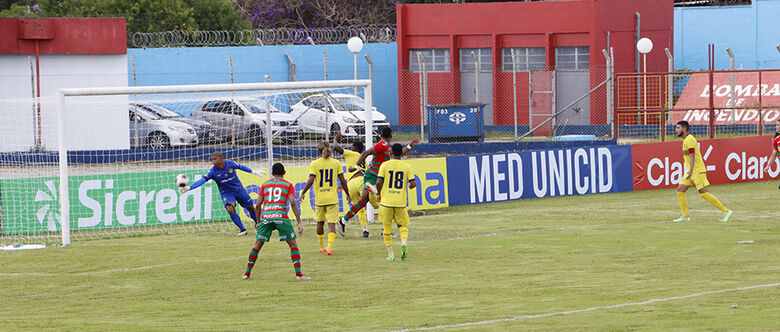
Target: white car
246 117
345 114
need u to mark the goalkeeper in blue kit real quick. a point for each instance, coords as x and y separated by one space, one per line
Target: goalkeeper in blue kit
230 187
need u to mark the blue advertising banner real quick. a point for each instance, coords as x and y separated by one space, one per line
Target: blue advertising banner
545 173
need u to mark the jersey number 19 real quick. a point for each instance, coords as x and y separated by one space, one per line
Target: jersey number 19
276 194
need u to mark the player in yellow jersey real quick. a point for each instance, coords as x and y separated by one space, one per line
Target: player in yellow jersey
355 178
322 174
394 180
695 175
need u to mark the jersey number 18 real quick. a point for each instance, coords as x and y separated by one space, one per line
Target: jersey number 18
396 180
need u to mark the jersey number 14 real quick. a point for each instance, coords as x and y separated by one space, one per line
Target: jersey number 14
326 175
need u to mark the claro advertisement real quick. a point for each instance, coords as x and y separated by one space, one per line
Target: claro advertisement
728 160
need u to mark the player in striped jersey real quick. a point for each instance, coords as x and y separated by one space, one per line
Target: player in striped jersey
276 193
775 148
322 174
381 153
355 178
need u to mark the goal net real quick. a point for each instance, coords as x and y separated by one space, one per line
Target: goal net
125 146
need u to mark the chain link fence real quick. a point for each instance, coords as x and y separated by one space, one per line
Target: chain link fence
716 104
478 100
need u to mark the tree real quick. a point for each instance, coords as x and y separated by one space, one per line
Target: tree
217 15
141 15
317 13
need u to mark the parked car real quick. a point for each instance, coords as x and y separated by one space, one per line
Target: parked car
205 131
345 114
247 117
149 130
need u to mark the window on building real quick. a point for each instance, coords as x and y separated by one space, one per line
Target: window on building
437 60
572 57
526 58
467 62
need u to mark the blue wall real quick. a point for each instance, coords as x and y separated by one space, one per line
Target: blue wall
751 32
210 65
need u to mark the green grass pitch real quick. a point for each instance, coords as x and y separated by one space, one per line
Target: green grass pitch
564 263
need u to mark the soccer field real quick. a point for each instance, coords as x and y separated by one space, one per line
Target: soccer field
599 262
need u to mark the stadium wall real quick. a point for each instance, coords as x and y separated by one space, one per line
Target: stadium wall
750 31
211 65
70 53
133 199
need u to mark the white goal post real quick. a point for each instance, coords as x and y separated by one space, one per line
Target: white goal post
63 95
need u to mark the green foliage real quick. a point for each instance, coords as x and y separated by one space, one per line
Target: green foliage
141 15
16 10
467 264
217 15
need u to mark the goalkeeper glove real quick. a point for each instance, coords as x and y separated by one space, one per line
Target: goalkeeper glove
184 189
259 172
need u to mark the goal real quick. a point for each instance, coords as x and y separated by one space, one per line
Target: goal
125 145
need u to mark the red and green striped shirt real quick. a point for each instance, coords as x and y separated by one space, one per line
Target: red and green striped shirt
381 154
277 193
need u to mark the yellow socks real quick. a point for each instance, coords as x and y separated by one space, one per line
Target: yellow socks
331 238
683 203
321 237
387 236
714 201
362 218
404 233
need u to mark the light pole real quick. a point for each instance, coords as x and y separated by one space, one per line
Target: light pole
355 44
644 46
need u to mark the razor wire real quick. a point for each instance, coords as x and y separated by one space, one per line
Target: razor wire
375 33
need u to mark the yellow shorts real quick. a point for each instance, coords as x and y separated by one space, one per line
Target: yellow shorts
388 214
356 189
698 180
329 213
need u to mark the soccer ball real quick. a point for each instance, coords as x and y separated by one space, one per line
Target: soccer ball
182 180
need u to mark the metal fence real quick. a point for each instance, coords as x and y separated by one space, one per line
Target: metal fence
512 101
715 103
375 33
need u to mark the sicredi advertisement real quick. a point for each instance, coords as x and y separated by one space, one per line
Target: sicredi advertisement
31 205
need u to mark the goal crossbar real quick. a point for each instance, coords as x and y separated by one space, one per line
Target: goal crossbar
108 91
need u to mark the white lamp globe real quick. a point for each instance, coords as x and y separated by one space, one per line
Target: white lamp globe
355 44
644 45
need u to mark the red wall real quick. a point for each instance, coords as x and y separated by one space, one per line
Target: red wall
63 35
526 24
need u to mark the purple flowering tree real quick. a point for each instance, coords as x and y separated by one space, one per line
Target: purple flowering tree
265 14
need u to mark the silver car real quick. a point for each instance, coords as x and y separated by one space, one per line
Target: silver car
205 131
150 130
245 117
